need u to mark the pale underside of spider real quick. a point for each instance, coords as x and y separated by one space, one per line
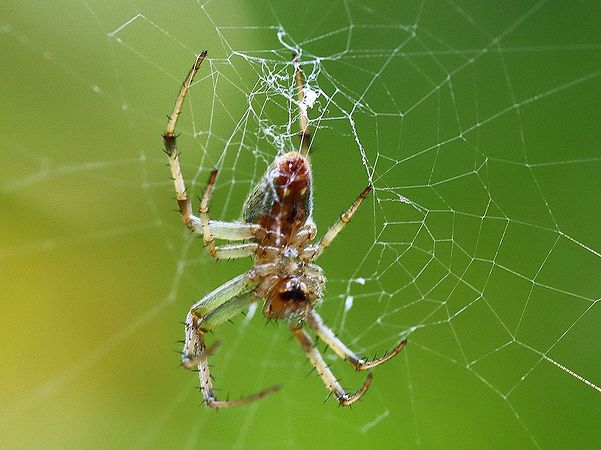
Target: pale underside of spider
278 231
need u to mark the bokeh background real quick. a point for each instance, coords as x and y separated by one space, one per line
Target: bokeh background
478 125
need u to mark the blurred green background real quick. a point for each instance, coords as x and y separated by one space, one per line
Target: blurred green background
478 124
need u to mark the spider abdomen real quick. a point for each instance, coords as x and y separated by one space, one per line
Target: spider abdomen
282 200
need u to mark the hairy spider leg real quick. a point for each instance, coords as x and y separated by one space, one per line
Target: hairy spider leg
313 252
328 336
212 310
236 286
210 230
170 142
324 371
303 120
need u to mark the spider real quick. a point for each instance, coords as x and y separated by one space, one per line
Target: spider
278 231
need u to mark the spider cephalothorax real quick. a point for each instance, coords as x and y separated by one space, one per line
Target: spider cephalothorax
278 229
288 299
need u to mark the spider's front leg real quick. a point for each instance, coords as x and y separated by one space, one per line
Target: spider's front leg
328 336
324 371
214 309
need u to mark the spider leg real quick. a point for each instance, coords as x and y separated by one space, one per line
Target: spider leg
324 371
232 231
212 230
236 286
207 235
305 133
209 229
313 252
234 251
170 142
213 300
196 352
328 336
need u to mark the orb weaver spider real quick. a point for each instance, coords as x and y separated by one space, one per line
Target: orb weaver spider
278 231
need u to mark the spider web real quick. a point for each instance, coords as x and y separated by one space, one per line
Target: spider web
476 125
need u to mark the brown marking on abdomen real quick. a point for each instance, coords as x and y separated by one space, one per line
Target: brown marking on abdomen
292 184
